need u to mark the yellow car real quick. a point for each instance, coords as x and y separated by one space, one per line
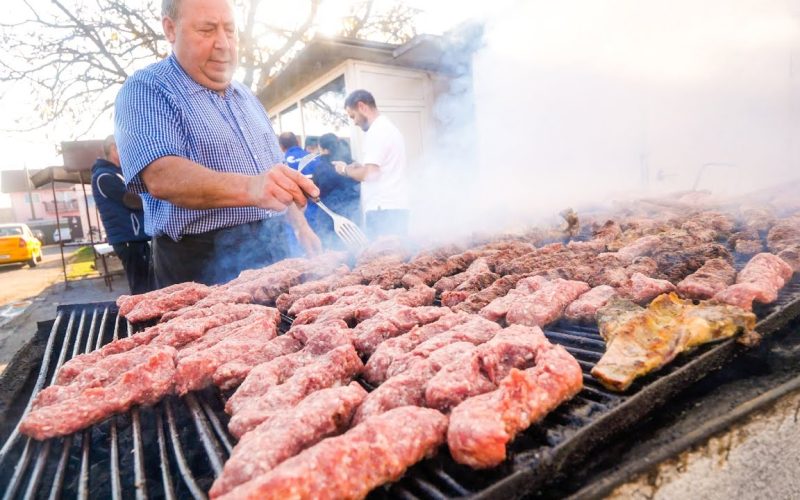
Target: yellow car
18 244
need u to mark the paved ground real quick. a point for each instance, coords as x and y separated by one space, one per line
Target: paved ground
28 296
20 282
757 458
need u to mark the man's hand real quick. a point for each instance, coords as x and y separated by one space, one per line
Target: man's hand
279 187
356 171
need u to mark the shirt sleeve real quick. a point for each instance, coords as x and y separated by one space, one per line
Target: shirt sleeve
110 186
146 128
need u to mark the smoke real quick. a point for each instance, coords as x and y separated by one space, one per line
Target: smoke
579 103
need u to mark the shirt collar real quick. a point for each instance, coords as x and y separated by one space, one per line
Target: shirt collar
192 86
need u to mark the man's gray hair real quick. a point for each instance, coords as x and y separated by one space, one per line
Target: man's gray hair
107 143
170 8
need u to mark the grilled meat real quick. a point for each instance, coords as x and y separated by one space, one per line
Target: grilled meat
497 309
141 376
641 340
713 277
760 280
408 387
642 289
391 349
391 322
337 367
485 367
475 330
378 450
162 303
311 341
324 413
199 360
546 304
585 307
482 426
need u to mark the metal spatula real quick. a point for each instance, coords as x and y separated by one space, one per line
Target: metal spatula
344 228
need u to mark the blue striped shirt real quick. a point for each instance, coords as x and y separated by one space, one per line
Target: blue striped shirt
161 111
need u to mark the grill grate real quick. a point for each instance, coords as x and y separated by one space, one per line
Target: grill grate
187 440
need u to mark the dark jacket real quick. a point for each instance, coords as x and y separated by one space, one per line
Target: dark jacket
108 187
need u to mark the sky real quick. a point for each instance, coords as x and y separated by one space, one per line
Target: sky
38 149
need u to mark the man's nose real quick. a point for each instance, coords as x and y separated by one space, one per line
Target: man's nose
221 40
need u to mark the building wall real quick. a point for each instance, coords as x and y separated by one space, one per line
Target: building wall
405 96
71 207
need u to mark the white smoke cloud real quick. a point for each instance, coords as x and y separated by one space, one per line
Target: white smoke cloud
580 102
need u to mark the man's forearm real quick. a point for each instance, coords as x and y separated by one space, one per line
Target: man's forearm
359 172
296 218
190 185
305 235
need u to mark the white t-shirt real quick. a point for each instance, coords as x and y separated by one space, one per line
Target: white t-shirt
384 146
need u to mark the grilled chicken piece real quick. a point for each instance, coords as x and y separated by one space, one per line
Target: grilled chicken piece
640 340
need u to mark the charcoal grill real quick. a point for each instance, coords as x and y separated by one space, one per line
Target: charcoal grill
176 448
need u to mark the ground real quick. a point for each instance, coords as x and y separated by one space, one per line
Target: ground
29 295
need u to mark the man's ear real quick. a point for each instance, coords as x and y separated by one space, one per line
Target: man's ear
169 28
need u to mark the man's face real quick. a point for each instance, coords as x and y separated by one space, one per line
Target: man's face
357 115
204 40
113 155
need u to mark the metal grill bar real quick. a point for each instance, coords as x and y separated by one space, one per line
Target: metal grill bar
48 351
209 443
445 478
138 462
116 481
166 479
58 480
219 429
539 453
140 482
83 482
19 470
83 485
183 467
36 476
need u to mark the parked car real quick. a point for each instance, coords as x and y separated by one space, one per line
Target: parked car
18 244
62 233
39 235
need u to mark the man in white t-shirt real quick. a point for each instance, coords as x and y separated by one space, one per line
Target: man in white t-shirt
382 171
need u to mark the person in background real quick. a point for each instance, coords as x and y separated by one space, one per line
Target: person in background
312 144
340 194
201 151
293 153
382 171
344 154
123 218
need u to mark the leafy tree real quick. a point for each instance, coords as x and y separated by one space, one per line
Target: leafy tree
74 54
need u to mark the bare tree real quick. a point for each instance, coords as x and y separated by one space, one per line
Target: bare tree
74 54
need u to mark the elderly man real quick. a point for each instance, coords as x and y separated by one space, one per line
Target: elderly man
122 216
201 151
382 171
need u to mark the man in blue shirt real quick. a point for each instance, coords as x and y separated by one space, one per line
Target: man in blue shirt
123 218
292 154
200 149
